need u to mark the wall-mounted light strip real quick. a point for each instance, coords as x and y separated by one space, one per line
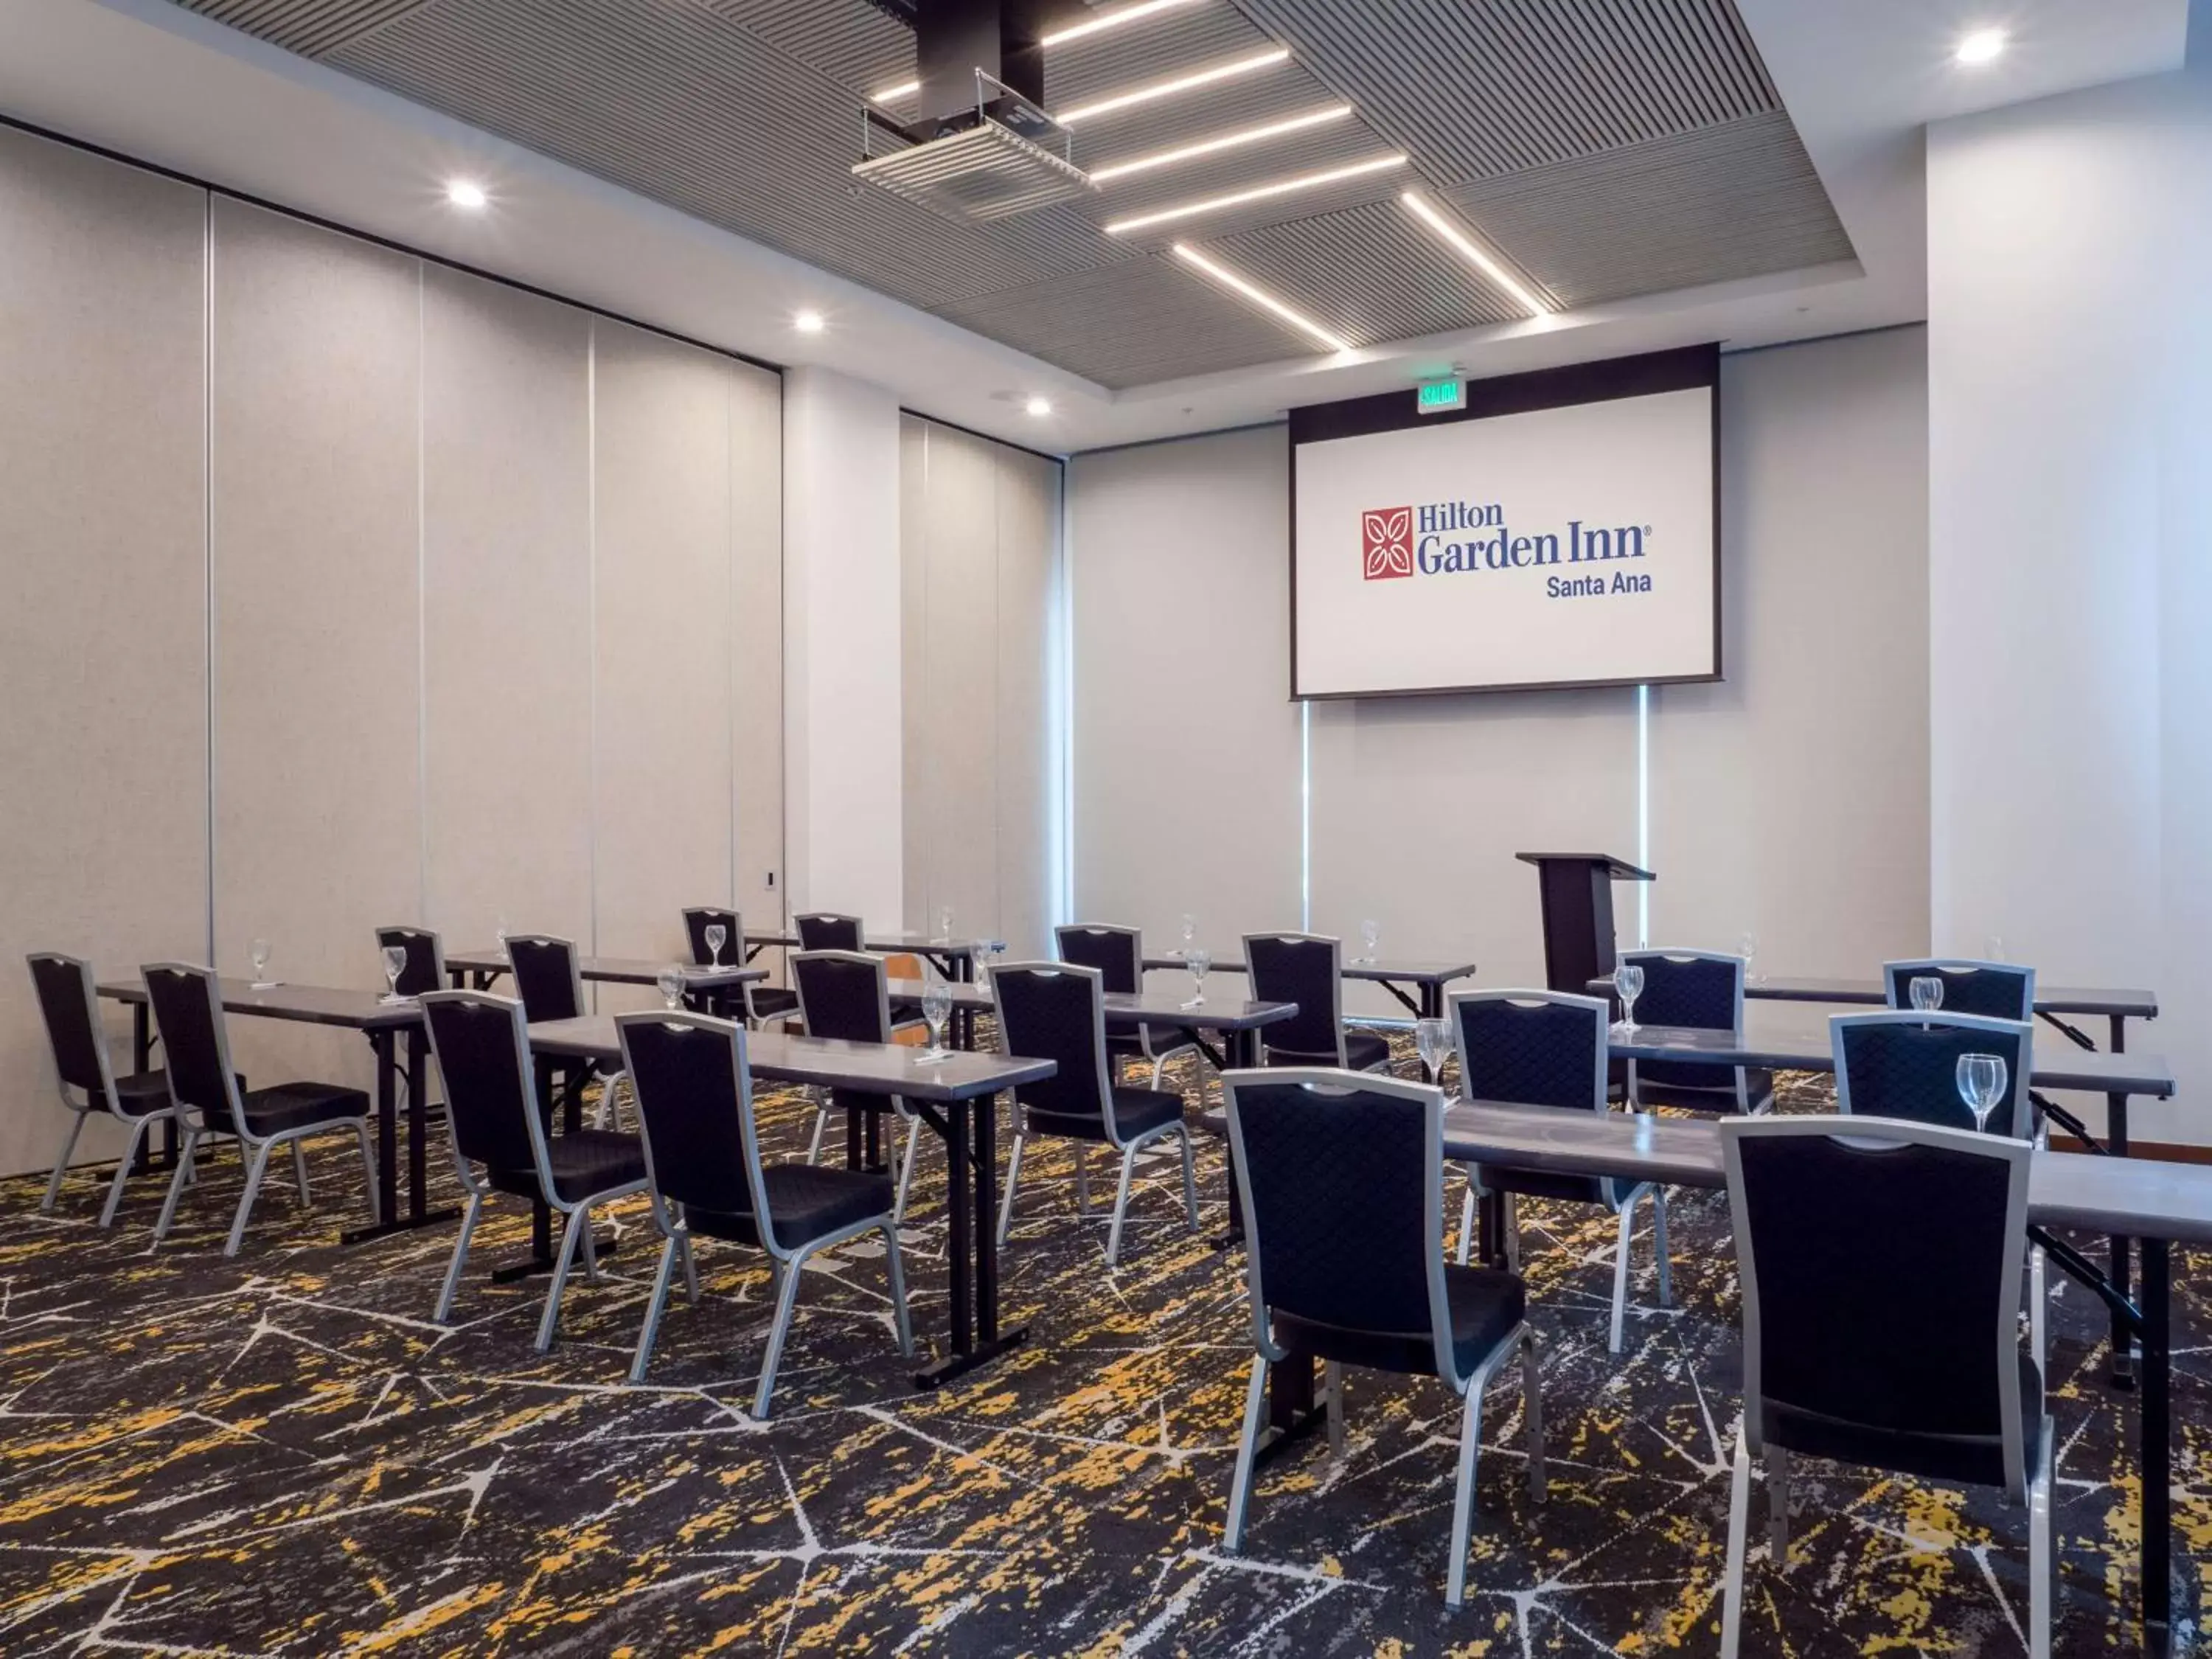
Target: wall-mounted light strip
1259 193
1112 20
1165 158
1452 236
1258 296
1068 117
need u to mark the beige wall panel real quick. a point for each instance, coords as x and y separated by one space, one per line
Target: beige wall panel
755 474
315 491
1029 538
103 598
662 586
914 797
507 612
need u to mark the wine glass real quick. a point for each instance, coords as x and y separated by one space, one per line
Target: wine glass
1747 948
669 982
1628 979
1981 1085
1369 933
501 937
1197 962
986 952
1189 932
395 963
1432 1037
1993 948
1926 992
258 954
718 935
936 1009
944 923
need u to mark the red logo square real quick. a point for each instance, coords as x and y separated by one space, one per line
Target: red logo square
1386 542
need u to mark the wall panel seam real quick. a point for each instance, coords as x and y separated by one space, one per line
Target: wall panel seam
422 599
207 531
592 616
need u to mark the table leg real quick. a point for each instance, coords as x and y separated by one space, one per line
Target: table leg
1290 1410
852 1136
986 1190
418 1127
961 1204
457 978
2116 1141
386 1043
2157 1452
972 1256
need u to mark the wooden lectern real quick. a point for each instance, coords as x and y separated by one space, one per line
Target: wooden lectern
1577 888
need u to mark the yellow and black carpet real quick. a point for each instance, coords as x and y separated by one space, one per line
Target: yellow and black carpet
282 1454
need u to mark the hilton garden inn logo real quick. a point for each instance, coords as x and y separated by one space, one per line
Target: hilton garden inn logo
1386 542
1444 537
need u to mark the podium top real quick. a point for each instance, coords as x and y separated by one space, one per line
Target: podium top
1619 869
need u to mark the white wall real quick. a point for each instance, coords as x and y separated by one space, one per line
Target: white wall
2070 590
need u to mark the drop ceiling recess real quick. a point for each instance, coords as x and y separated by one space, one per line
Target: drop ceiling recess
1587 150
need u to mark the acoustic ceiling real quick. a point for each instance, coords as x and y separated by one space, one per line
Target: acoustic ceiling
1593 149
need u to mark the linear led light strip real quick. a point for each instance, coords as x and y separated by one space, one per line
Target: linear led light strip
1212 146
1058 38
1259 193
1259 296
1451 235
1206 77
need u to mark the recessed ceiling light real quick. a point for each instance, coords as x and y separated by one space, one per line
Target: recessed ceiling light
1458 242
1980 46
1112 20
466 193
1258 193
892 94
1039 407
1162 158
808 322
1205 77
1258 295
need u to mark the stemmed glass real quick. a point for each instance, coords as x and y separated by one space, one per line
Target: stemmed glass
936 1009
1628 979
1993 948
944 923
503 955
258 954
1432 1037
718 935
1926 992
1189 932
669 982
1981 1085
1747 948
986 952
1369 933
1197 962
395 963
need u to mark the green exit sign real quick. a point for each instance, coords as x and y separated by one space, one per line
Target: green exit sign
1435 397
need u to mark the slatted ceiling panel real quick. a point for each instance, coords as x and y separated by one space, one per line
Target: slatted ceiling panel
1316 200
673 102
859 46
1728 203
1316 149
1143 320
1367 274
310 27
1154 48
1479 87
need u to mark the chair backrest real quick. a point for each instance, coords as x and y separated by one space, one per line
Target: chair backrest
824 930
426 958
698 919
1118 954
187 1004
1531 1047
1056 1011
694 1104
1996 990
1906 1066
481 1045
1340 1175
1303 969
547 978
68 999
1699 989
844 994
1894 1344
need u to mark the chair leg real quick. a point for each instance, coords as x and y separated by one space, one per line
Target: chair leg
654 1304
1082 1179
257 1166
1739 1526
1333 1398
2041 1585
1470 1447
300 1173
1778 1506
1466 1224
1014 1175
368 1170
1121 1206
123 1172
579 1221
1659 1244
176 1184
2038 1297
895 1270
787 1297
1240 1484
591 1258
1189 1181
821 1123
452 1285
1510 1224
905 1168
1620 1278
61 1162
1532 1413
691 1269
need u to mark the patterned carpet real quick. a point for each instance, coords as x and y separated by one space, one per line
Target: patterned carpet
282 1454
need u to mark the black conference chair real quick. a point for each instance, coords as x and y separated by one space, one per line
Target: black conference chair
1546 1048
695 1101
1306 968
548 982
69 999
1704 990
1995 990
844 996
1907 1065
761 1002
1894 1346
482 1043
1340 1175
825 930
1056 1010
211 1100
1118 954
426 958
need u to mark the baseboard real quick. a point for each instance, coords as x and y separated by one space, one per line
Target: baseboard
2168 1151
